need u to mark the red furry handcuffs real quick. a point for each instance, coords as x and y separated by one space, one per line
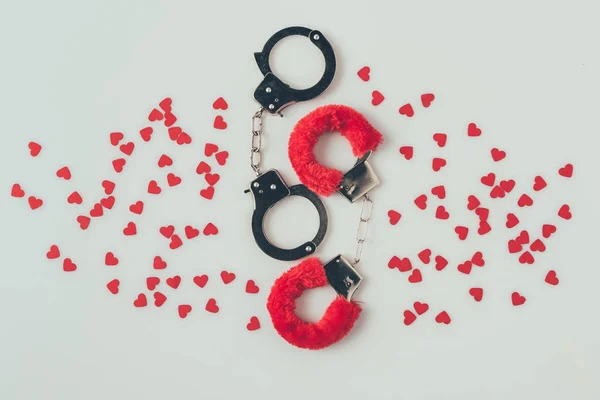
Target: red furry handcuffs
269 188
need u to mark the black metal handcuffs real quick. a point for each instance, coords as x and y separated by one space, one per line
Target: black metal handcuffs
269 188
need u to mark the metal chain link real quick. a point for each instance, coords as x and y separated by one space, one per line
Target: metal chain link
363 227
255 156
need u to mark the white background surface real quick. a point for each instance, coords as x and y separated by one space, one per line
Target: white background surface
527 72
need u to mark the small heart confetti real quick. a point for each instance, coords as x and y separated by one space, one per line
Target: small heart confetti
363 73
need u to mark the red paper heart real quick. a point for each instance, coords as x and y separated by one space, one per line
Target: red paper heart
137 207
210 149
191 232
130 229
210 229
212 179
473 203
110 259
227 277
525 201
403 264
146 133
462 232
108 202
473 130
34 149
526 258
184 138
108 187
497 192
523 237
477 259
173 180
377 98
165 104
539 183
74 198
159 299
426 99
507 185
251 287
406 110
498 154
153 187
113 286
174 132
53 253
443 318
167 231
484 228
394 216
514 246
64 173
548 230
165 161
551 278
363 73
201 281
421 201
489 179
511 220
409 317
566 171
219 123
17 191
115 138
221 157
202 168
118 165
170 119
208 193
140 301
440 263
159 263
439 191
174 282
68 265
407 152
538 246
477 294
425 256
441 213
175 242
415 276
483 213
565 212
253 325
34 202
155 115
465 267
440 139
183 310
211 306
97 211
220 104
152 282
127 148
517 299
84 222
438 163
420 308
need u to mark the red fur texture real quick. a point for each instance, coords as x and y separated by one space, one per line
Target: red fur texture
350 123
338 320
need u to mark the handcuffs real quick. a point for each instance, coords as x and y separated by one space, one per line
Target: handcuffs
269 188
